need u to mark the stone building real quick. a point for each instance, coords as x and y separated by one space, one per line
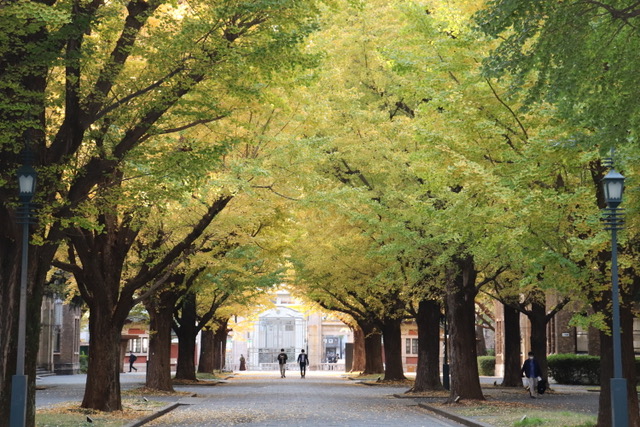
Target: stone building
59 350
292 326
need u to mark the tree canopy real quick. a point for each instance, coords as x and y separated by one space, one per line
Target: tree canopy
374 154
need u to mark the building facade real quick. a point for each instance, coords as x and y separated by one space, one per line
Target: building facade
290 326
59 350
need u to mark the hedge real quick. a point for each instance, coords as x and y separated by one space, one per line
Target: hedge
578 369
487 365
574 368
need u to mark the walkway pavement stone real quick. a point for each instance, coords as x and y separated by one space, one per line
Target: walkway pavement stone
321 399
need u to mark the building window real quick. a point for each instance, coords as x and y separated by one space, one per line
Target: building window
582 340
411 346
57 339
57 312
139 345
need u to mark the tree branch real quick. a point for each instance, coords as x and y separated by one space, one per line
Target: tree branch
505 105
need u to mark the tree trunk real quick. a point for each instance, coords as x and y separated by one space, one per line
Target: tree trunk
373 349
628 370
9 294
187 333
359 353
24 82
392 335
220 344
481 344
102 390
629 364
186 368
39 263
538 318
208 356
428 369
460 299
159 363
511 350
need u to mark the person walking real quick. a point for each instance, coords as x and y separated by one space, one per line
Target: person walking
282 361
132 360
243 363
303 360
531 370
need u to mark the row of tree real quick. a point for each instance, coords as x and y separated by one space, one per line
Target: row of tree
117 103
389 159
447 166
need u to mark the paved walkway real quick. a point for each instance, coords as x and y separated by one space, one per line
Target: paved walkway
321 399
70 388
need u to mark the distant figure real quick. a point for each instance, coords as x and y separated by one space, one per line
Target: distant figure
531 370
282 361
303 360
132 360
243 364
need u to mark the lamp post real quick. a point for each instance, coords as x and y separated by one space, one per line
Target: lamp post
27 183
613 185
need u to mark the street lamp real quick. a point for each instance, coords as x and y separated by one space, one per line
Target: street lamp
613 186
27 184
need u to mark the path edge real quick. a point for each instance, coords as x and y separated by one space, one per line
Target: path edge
155 415
457 418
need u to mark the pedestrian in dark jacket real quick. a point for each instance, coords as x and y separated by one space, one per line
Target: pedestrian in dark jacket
282 361
531 371
303 360
132 360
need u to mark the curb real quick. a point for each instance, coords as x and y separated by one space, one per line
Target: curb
164 410
155 415
457 418
408 396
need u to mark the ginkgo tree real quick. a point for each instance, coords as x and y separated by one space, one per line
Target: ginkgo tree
93 81
368 137
440 154
579 58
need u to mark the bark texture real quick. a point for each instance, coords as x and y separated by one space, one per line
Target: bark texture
102 389
373 349
481 343
220 344
511 350
538 318
428 369
188 322
160 320
393 370
187 330
207 359
359 353
460 299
